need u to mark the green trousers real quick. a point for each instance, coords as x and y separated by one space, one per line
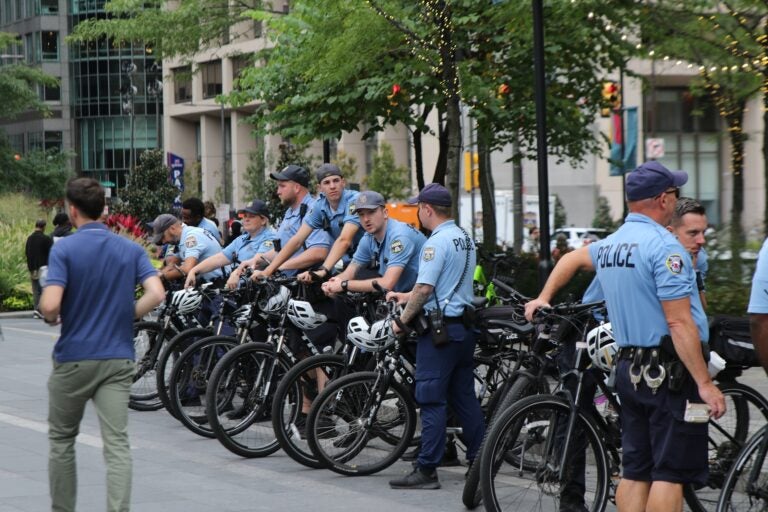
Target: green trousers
71 385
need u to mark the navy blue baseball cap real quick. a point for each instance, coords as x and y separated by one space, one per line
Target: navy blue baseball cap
292 173
256 207
326 170
369 200
651 179
434 193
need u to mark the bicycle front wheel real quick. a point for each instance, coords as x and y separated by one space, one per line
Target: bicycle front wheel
239 399
361 423
148 338
746 486
530 462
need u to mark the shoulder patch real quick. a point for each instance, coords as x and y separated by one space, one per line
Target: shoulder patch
428 254
190 242
351 208
675 263
396 247
268 243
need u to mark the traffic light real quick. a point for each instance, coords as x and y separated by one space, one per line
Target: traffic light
611 98
393 96
471 171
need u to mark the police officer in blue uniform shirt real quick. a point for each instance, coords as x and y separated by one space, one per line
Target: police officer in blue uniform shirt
332 213
389 247
444 356
650 292
758 307
257 239
195 244
292 189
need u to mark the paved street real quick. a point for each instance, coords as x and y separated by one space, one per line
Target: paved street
174 470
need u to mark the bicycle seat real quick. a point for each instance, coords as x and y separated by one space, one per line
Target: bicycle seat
521 329
479 302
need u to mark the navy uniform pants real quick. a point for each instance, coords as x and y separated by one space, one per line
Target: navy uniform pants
445 376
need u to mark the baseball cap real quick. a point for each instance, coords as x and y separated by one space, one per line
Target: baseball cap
257 207
369 200
434 193
651 179
292 173
161 223
326 170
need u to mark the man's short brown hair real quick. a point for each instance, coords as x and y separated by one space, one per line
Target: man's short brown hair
684 206
87 195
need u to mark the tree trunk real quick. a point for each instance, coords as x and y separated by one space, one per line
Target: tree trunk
453 161
442 155
765 164
737 137
487 193
517 196
419 157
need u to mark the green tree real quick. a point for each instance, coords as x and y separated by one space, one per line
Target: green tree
18 83
347 164
561 216
38 173
149 191
603 217
386 178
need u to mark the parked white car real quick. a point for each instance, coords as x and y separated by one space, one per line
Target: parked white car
576 236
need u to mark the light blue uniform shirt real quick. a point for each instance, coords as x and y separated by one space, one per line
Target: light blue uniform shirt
246 246
290 226
639 266
758 298
199 243
322 217
400 247
443 264
208 225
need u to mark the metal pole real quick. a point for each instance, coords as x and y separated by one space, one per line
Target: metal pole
224 155
545 263
623 144
326 151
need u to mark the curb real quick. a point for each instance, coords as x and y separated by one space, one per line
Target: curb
16 314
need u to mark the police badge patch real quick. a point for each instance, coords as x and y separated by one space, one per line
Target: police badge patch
428 254
675 263
268 243
190 242
351 208
396 247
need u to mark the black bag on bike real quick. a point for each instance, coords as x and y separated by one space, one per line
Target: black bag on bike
494 336
729 336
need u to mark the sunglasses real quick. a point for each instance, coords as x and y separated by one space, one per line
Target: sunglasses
675 191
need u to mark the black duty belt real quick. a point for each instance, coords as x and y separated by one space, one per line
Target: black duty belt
453 319
628 353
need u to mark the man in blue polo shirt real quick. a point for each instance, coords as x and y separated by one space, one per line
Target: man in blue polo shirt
650 292
257 239
92 276
389 248
332 213
758 307
444 355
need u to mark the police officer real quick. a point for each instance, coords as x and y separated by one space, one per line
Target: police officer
333 213
444 354
758 307
195 244
650 292
257 239
193 214
389 247
292 189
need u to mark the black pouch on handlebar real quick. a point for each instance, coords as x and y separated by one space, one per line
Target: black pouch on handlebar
437 325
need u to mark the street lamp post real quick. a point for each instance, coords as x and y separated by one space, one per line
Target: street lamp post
128 95
155 90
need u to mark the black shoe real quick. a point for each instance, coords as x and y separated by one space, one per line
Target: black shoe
418 479
299 427
326 428
192 401
451 456
411 455
237 413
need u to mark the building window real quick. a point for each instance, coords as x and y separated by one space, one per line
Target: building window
16 141
50 45
47 7
211 74
182 83
690 129
238 65
50 92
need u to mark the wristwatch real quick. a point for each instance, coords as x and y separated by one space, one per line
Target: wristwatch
344 284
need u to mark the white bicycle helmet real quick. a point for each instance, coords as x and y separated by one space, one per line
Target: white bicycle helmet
371 338
601 346
274 305
303 315
242 315
187 301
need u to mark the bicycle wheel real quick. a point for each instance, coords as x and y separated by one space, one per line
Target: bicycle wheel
298 387
189 381
168 356
746 412
746 486
544 475
354 423
147 340
239 399
519 386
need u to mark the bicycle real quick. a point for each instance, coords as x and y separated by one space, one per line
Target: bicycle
746 485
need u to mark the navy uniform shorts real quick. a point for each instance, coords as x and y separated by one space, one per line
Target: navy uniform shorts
657 444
